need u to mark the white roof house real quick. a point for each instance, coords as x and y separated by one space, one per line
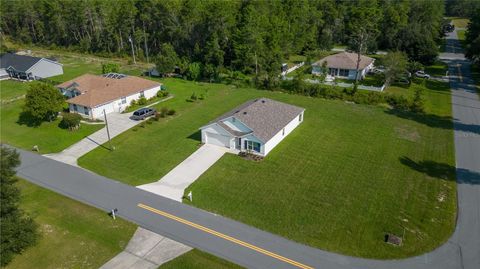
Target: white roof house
344 65
256 126
27 67
93 95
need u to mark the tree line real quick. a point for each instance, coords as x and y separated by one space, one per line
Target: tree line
252 37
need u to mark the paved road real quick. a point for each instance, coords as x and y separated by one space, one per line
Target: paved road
466 113
252 248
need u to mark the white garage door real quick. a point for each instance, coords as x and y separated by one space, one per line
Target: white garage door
217 139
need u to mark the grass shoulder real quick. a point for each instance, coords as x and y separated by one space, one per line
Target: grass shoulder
65 227
196 259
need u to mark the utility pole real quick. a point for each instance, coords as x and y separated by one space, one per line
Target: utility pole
108 131
133 50
145 41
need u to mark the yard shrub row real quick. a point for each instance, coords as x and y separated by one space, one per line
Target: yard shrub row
360 97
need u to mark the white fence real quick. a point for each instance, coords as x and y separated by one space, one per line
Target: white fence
293 68
343 84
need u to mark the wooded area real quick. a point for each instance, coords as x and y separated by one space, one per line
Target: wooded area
247 36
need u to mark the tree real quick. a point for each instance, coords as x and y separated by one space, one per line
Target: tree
42 102
472 39
19 231
110 68
395 66
194 71
167 59
363 29
418 104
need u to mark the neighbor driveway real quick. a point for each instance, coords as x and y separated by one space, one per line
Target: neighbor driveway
173 184
117 124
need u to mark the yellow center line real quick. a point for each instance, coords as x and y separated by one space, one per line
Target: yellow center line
224 236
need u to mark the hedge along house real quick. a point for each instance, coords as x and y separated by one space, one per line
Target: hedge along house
256 126
344 65
25 67
91 95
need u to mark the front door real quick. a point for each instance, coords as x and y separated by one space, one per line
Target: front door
239 143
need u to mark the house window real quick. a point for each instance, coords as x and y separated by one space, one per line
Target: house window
252 145
343 73
142 94
283 131
124 100
86 110
300 117
75 108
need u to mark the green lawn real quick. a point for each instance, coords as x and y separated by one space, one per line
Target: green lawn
461 35
437 69
48 136
72 235
10 89
460 22
345 177
197 259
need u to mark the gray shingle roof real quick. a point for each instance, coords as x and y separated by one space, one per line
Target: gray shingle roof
266 117
345 60
19 62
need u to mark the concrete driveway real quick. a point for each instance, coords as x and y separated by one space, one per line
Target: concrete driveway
117 124
173 184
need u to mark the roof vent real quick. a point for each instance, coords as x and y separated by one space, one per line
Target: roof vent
244 112
263 101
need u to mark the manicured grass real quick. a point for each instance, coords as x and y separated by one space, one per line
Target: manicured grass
72 234
48 136
347 175
460 22
461 35
438 69
197 259
165 143
10 89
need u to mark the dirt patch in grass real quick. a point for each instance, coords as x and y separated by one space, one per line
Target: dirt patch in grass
407 132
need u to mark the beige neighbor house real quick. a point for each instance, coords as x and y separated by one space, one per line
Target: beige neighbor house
344 65
256 126
93 95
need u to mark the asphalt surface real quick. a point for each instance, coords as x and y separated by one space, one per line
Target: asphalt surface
253 248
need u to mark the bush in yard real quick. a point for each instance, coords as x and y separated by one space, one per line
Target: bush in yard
418 105
194 97
163 112
42 102
110 68
161 94
171 112
19 231
70 121
142 101
133 102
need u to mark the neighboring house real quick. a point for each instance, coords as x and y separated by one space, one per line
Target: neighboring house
27 67
256 126
344 65
91 95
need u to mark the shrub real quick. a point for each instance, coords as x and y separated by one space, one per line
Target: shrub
417 104
133 102
161 94
171 112
142 101
194 97
70 121
163 112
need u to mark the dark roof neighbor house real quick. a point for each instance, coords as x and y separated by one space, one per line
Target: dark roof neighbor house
26 67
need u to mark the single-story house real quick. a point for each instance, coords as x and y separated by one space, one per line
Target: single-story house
344 65
91 95
256 126
26 67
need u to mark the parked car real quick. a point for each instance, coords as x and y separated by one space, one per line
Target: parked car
422 74
143 113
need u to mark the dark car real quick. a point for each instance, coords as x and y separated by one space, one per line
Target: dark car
142 113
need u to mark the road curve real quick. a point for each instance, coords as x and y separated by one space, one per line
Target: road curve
253 248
